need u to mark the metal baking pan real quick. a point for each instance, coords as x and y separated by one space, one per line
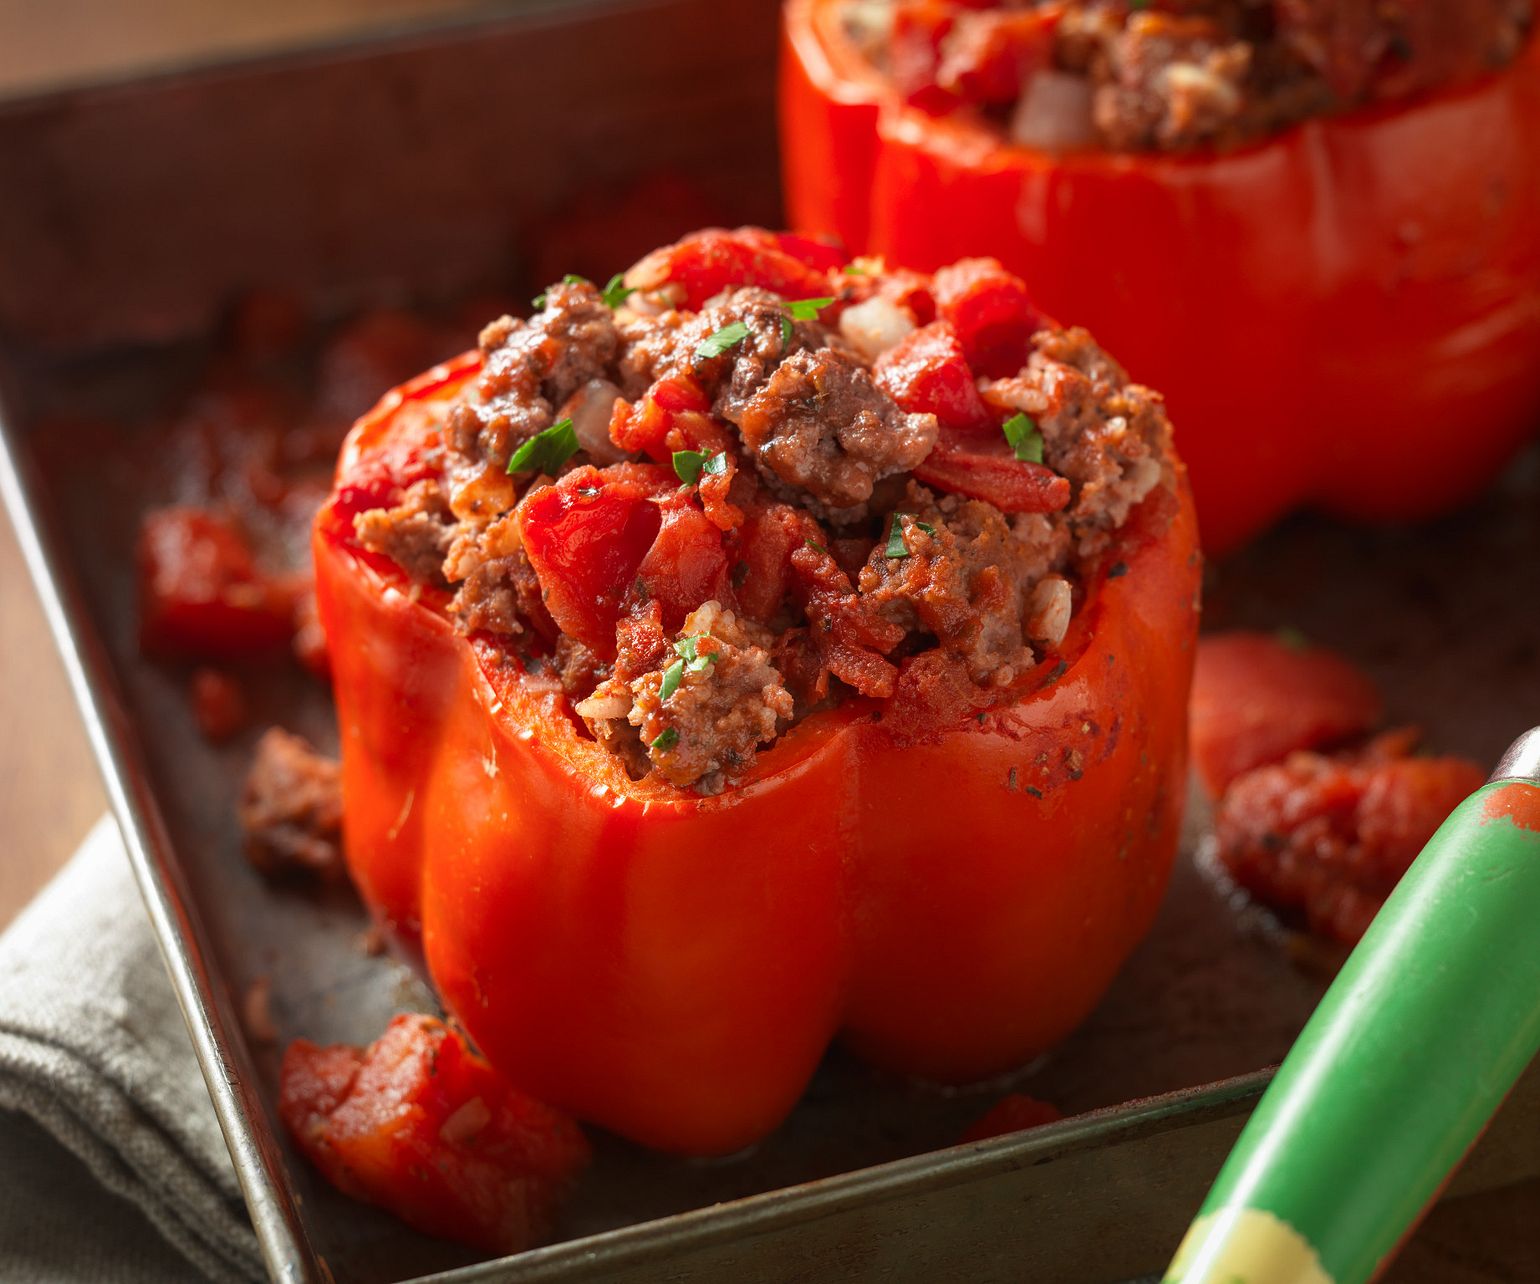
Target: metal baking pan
424 166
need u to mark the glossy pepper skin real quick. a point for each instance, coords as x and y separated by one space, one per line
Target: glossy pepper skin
1345 315
673 966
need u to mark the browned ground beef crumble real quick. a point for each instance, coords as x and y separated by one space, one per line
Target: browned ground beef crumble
821 457
291 807
1180 74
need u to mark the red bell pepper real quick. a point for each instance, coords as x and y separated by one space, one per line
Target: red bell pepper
671 965
1342 315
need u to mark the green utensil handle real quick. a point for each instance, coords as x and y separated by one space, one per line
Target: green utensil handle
1421 1036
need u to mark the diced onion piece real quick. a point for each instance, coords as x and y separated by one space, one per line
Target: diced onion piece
875 326
1190 80
603 708
590 408
867 23
465 1122
1054 113
1049 611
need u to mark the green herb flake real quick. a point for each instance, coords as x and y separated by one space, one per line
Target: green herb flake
807 309
896 546
855 269
1058 671
546 451
728 337
816 547
1117 571
667 740
671 679
616 291
572 278
1033 790
694 659
1022 436
689 465
785 331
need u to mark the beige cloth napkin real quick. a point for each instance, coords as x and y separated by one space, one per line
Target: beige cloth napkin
112 1166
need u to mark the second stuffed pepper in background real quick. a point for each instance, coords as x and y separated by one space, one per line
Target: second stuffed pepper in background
1309 224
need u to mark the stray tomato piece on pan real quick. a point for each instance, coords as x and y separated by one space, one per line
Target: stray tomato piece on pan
1257 697
1329 837
202 594
1014 1113
422 1126
219 703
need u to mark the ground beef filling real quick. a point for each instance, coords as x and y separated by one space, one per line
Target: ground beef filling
1175 75
785 558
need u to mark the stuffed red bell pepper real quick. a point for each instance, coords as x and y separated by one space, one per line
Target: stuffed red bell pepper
1309 223
756 650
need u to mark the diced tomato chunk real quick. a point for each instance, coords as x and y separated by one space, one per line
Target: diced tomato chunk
770 534
823 255
420 1125
987 469
988 55
671 415
919 29
1014 1113
992 313
201 593
687 563
1329 837
927 373
709 262
1257 697
586 536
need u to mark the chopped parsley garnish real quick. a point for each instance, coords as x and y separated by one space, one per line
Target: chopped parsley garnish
694 659
690 464
667 740
807 309
1117 570
785 331
616 292
729 336
546 451
691 660
816 546
572 278
672 676
855 269
896 546
1022 436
